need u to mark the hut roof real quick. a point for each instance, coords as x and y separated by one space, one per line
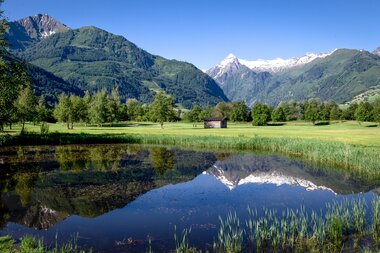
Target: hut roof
214 119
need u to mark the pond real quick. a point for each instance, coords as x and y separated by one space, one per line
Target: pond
118 198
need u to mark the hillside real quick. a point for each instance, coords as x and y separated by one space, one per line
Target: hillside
340 76
92 59
46 83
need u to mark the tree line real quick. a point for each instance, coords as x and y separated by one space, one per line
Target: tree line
106 107
313 110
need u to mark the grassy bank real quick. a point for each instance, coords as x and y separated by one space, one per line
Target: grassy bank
347 145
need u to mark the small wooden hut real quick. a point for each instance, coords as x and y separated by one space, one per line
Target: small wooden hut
215 122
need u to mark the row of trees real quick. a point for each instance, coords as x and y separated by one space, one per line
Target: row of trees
107 108
103 107
313 110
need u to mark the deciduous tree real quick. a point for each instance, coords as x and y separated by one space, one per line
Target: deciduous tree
162 108
364 112
261 114
26 106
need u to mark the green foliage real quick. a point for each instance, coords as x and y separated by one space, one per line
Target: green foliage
195 114
336 113
62 110
31 245
223 110
161 109
42 113
135 111
26 106
349 113
261 114
206 112
376 111
364 112
114 105
313 110
239 112
99 108
278 114
6 244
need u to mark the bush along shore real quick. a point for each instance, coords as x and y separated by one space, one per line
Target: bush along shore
359 159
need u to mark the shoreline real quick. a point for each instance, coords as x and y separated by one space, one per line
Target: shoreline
359 158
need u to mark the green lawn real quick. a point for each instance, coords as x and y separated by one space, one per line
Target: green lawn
349 132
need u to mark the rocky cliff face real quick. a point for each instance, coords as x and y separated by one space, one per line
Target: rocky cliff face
29 30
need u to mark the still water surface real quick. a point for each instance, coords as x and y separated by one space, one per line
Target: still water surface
117 198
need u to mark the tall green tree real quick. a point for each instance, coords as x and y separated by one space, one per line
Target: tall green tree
364 112
26 106
41 110
12 78
222 110
313 110
206 112
62 111
261 114
336 113
194 115
161 109
114 104
134 109
239 111
326 109
99 109
278 114
349 112
376 111
86 107
77 110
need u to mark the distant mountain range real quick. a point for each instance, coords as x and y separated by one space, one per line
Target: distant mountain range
339 75
89 58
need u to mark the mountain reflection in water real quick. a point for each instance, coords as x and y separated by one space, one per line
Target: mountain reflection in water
135 191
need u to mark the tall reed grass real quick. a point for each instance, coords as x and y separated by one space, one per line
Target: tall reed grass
342 225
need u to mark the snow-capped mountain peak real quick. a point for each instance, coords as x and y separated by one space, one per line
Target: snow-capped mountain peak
228 66
231 63
41 26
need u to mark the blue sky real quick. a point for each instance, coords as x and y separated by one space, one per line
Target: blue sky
203 32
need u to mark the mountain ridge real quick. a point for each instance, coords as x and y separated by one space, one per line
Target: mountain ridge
339 75
92 59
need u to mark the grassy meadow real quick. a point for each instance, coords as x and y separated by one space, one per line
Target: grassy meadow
349 132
